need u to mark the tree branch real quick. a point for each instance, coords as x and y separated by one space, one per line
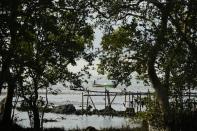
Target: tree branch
185 38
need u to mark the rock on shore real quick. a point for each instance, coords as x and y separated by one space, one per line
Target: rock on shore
64 109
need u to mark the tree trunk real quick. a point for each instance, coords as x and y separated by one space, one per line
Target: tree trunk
36 119
8 104
46 105
35 109
161 90
163 98
1 85
4 72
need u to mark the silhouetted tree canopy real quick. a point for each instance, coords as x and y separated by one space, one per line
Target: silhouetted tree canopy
155 39
38 40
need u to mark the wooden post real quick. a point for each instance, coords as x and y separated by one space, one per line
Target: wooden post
108 98
148 98
137 101
132 101
125 99
105 98
140 101
129 99
87 101
82 102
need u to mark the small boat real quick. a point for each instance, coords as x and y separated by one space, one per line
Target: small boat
103 85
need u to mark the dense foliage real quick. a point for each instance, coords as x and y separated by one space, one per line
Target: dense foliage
39 39
155 39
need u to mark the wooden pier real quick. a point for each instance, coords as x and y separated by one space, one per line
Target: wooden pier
132 101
